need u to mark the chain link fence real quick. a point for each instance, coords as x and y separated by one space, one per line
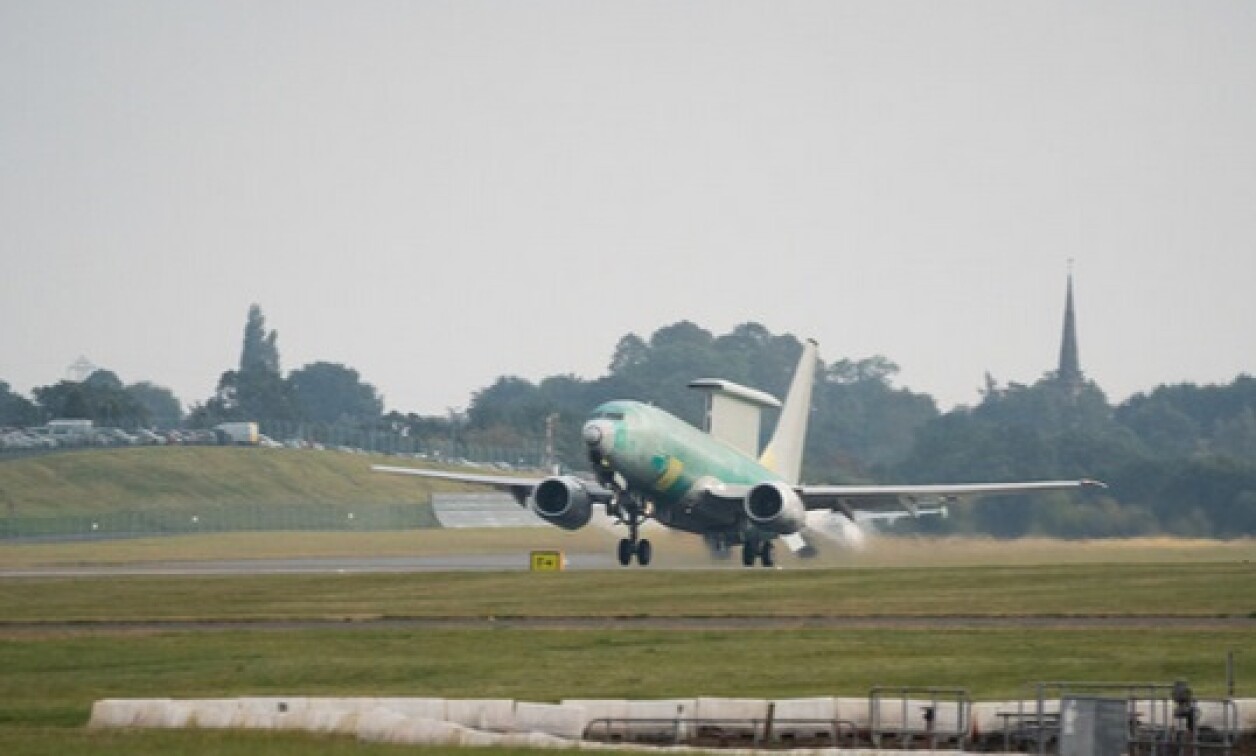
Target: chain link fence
221 519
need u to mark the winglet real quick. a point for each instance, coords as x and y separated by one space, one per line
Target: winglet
783 454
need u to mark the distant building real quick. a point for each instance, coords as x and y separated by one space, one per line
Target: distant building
79 370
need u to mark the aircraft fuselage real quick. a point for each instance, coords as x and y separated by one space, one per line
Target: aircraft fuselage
662 459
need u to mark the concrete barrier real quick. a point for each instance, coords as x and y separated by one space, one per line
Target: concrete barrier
559 720
379 723
731 717
424 708
326 715
420 731
214 713
804 718
179 714
119 712
264 712
1213 714
985 719
731 708
541 725
535 740
601 709
663 714
493 715
1247 713
854 710
482 739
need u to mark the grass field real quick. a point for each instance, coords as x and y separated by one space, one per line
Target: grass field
53 673
1102 590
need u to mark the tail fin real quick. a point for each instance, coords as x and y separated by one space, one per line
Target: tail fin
783 454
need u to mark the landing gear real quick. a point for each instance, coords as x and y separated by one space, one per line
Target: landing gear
717 544
762 551
644 552
641 549
628 510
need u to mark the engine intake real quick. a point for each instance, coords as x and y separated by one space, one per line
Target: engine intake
562 501
775 507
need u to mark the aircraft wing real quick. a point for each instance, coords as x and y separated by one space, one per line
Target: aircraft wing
887 502
519 486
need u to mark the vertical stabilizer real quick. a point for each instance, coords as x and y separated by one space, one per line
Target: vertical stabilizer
783 455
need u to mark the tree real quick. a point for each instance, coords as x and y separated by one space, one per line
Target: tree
511 401
164 409
256 391
261 350
100 398
329 392
861 422
16 409
630 353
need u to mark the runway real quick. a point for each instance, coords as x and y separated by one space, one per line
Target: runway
895 622
505 562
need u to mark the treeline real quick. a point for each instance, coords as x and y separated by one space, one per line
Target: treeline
320 392
1179 460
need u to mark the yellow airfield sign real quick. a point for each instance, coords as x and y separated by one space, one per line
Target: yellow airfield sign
547 561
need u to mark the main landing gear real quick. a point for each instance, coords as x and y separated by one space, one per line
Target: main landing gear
761 551
641 548
628 510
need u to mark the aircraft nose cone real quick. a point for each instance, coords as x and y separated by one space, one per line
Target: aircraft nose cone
592 433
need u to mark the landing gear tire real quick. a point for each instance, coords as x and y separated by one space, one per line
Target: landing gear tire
763 552
644 552
629 548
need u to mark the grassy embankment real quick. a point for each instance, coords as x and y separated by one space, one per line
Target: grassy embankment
193 477
177 489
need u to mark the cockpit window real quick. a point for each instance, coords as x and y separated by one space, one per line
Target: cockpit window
615 415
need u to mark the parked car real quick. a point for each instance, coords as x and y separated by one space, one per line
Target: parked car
148 438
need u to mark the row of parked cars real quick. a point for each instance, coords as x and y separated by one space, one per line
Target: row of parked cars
14 439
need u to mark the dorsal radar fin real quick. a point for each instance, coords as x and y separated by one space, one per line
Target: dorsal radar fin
783 454
732 413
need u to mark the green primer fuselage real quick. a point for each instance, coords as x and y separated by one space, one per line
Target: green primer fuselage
662 458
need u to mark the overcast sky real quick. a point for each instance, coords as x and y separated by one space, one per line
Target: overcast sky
439 193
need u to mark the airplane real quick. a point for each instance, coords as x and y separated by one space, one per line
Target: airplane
649 464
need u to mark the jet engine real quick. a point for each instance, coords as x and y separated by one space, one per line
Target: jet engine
563 501
776 508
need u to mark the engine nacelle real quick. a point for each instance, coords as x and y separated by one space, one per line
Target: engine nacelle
776 508
562 501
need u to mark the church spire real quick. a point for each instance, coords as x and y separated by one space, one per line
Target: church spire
1069 373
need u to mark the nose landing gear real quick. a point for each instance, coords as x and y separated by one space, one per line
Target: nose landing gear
629 511
640 548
